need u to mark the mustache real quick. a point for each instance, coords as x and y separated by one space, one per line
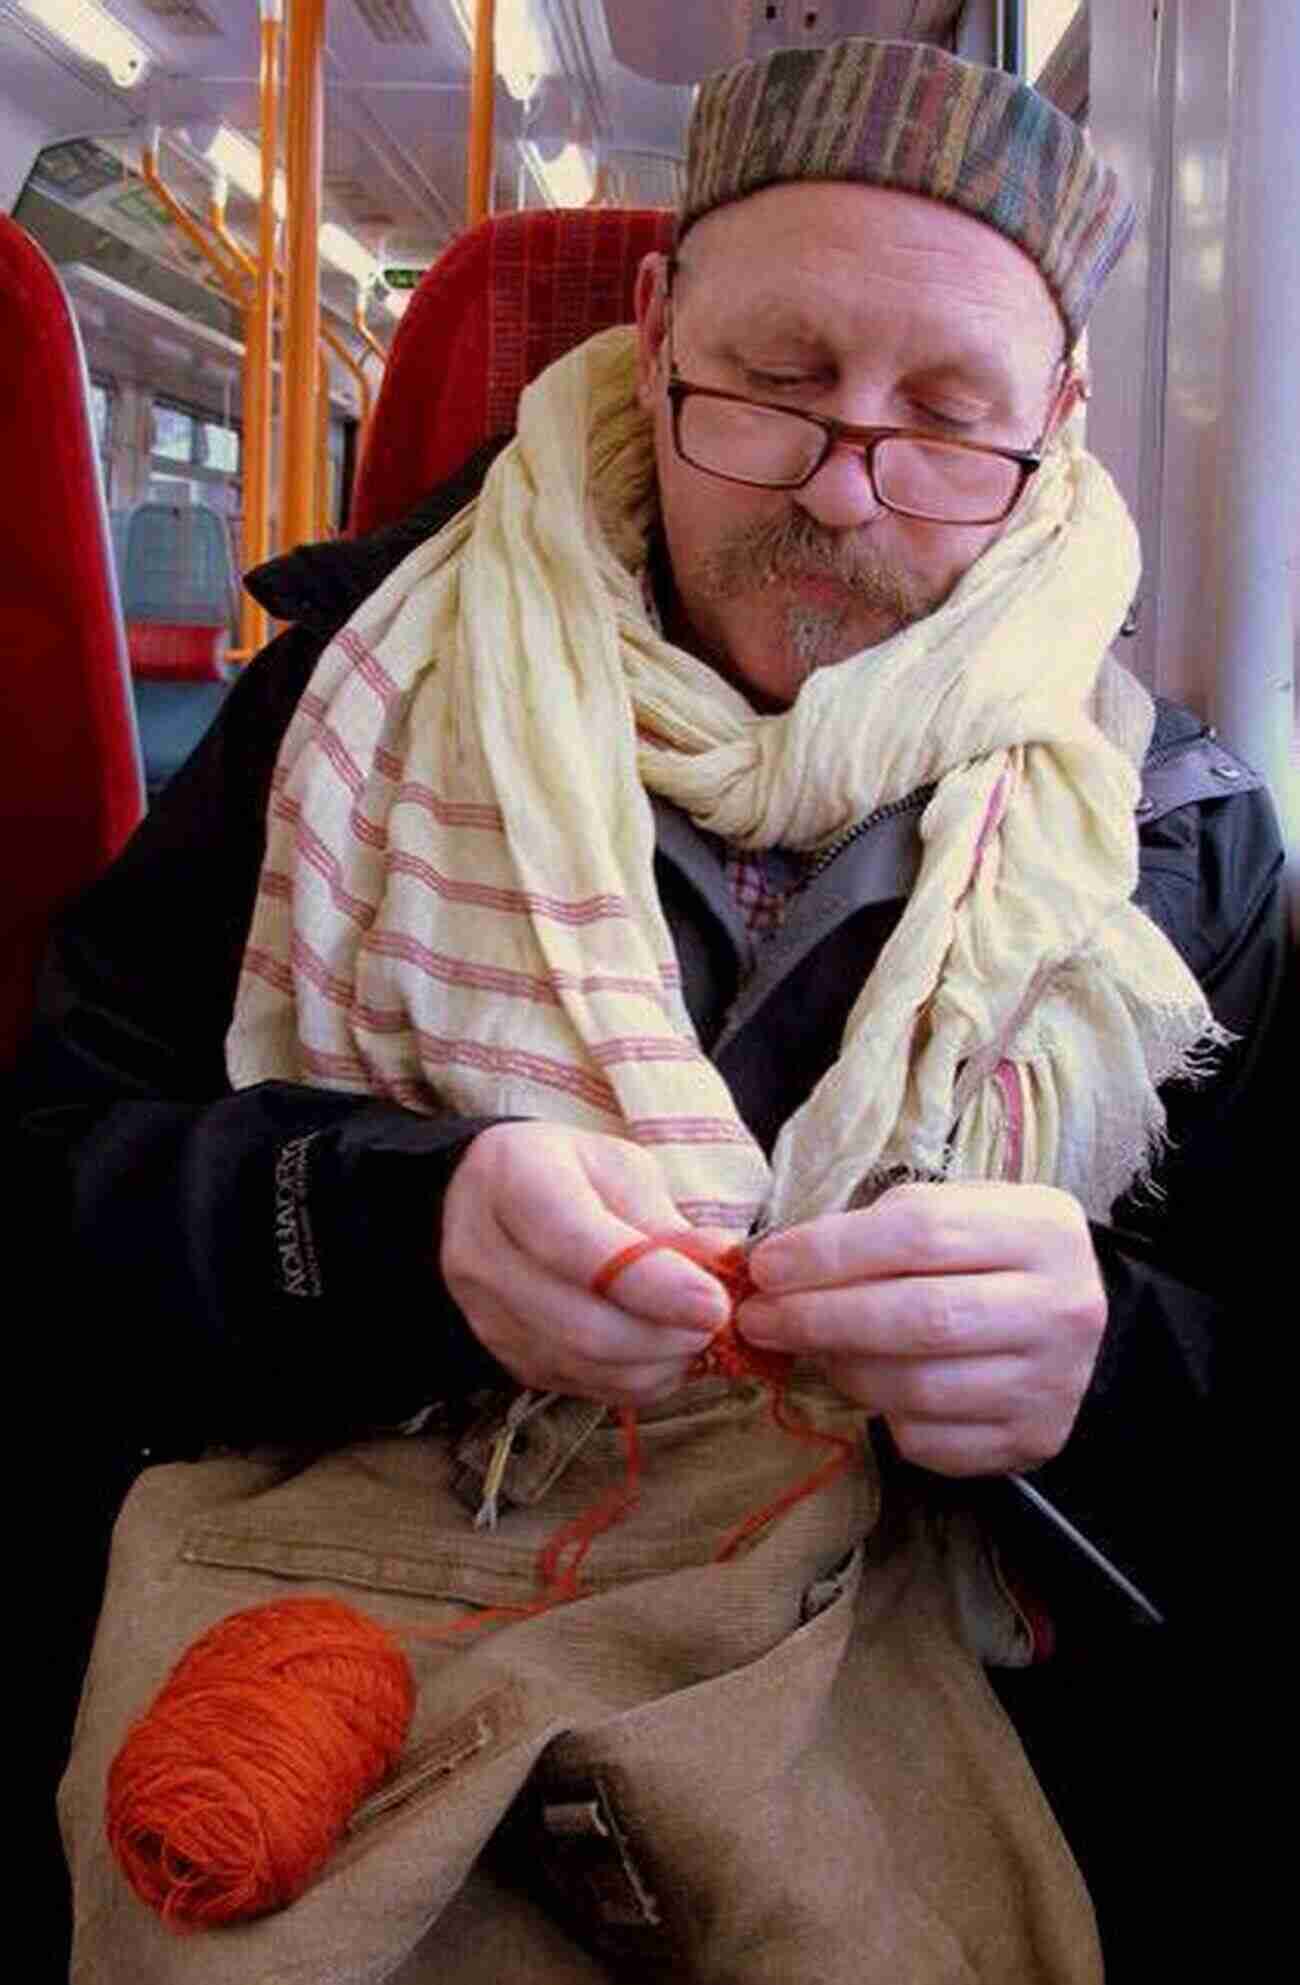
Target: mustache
796 546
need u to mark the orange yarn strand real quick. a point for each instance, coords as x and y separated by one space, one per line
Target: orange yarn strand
227 1797
728 1355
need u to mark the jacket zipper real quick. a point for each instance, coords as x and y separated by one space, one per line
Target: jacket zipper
923 794
911 802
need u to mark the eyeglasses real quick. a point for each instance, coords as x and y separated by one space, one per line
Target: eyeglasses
926 476
916 474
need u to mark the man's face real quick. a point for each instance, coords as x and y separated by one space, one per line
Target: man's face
875 307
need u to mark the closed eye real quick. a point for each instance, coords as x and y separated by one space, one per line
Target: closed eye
764 383
941 417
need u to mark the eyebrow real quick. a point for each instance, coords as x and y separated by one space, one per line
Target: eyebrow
775 314
976 369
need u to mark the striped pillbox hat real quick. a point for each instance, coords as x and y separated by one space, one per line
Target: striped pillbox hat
906 115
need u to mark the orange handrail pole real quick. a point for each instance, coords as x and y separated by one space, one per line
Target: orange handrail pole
331 343
252 618
226 272
217 222
354 366
368 339
482 110
261 323
299 373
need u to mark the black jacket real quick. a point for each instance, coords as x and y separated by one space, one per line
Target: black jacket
274 1251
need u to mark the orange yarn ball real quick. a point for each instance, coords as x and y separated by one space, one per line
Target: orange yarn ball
228 1795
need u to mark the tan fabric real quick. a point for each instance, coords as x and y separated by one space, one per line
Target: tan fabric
778 1797
458 905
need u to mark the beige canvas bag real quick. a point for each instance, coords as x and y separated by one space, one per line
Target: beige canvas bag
782 1770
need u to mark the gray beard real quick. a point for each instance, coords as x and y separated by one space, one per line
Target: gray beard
815 636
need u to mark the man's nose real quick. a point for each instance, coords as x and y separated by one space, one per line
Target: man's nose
840 495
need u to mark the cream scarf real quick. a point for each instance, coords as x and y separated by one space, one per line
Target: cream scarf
457 907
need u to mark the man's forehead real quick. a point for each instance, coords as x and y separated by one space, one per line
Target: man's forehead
824 265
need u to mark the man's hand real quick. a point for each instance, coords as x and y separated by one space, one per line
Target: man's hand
532 1213
968 1315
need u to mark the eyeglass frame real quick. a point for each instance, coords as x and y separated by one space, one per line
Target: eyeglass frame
679 389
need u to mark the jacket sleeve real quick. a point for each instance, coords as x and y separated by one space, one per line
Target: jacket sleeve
245 1266
1160 1451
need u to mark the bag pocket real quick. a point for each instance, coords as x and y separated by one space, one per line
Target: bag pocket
850 1804
390 1515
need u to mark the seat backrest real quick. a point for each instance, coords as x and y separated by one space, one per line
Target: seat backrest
70 780
176 575
177 565
504 301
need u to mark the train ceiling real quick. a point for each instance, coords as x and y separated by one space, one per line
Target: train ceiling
615 78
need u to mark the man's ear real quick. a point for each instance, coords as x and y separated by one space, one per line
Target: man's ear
651 301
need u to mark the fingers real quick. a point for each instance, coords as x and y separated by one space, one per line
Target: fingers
946 1448
569 1201
902 1318
590 1353
966 1226
975 1390
961 1270
532 1213
969 1316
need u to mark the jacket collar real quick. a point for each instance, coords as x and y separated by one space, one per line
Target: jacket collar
320 586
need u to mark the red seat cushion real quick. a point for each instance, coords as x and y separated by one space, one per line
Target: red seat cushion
502 303
173 651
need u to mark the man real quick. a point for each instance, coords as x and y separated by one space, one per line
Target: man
829 933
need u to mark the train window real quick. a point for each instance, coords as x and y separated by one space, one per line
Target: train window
219 446
173 433
99 413
101 418
1045 23
194 458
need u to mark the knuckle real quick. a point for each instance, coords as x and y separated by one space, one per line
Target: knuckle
459 1258
926 1391
1065 1205
923 1225
490 1151
583 1336
939 1317
1066 1219
1086 1311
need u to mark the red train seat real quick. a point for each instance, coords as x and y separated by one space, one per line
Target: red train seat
175 651
180 593
504 301
70 780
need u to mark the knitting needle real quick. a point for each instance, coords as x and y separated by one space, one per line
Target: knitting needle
1035 1498
866 1194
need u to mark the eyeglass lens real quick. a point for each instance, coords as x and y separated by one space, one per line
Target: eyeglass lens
928 478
